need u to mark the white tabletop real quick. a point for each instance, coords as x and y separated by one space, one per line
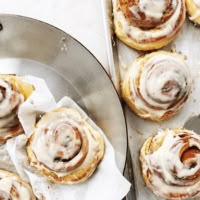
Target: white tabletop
82 19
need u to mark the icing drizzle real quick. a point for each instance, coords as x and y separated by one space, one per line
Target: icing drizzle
12 189
64 141
10 100
148 20
159 84
173 170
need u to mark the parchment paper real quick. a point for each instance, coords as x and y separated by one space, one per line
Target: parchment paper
106 183
5 161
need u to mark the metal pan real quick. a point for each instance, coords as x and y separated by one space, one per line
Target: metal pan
28 46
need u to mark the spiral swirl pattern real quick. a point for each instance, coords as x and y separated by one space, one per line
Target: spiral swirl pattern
10 100
148 24
13 188
65 147
157 85
171 164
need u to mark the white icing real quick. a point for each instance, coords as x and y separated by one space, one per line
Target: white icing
140 34
151 8
8 107
156 73
7 183
45 147
166 159
134 10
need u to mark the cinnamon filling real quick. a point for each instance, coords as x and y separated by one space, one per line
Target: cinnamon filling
189 157
138 17
5 196
140 20
3 93
169 86
14 192
189 154
183 146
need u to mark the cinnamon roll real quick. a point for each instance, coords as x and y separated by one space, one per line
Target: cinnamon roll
193 9
147 24
13 92
12 187
65 148
170 163
157 85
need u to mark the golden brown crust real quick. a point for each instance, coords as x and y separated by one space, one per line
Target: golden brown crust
15 192
193 11
24 88
146 25
178 179
78 171
145 73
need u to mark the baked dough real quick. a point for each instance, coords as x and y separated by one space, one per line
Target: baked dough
12 187
193 9
157 85
170 163
148 25
13 92
65 148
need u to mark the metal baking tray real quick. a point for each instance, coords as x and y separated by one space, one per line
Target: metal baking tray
114 68
187 43
31 47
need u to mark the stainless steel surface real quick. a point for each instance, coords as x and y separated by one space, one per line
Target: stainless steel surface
31 47
193 124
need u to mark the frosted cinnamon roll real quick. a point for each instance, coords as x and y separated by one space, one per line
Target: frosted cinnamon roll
13 188
65 147
157 85
193 9
13 92
146 24
170 163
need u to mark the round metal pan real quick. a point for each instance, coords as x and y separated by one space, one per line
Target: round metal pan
31 47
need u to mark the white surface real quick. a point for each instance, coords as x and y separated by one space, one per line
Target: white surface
81 18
